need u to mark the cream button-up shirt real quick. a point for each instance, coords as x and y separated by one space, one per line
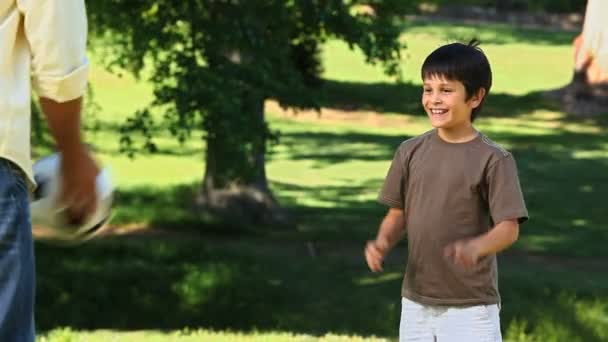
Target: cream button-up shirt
595 34
42 46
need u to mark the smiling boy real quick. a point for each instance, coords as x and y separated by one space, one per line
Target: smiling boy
456 195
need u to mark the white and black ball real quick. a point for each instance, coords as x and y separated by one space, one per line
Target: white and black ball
47 211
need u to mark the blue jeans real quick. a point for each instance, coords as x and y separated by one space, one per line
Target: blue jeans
17 268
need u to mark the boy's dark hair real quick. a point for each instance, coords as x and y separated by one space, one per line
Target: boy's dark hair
465 63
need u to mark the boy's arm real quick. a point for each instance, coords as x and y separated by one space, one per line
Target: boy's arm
391 231
468 252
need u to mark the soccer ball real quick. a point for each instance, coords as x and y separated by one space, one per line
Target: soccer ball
49 213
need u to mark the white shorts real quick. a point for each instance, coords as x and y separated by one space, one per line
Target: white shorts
429 323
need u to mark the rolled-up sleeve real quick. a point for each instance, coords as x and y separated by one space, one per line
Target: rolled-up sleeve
56 31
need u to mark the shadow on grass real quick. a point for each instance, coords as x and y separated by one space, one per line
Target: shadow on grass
169 209
324 148
342 217
402 98
564 185
172 285
167 284
544 304
265 285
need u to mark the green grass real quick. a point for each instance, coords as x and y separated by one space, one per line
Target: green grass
67 335
522 61
220 284
260 285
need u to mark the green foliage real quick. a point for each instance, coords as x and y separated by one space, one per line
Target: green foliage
213 63
550 6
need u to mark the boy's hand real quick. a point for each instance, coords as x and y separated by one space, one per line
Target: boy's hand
375 251
467 252
463 252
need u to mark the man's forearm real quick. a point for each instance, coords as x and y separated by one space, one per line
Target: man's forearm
64 123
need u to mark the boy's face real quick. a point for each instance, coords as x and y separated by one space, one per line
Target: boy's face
445 102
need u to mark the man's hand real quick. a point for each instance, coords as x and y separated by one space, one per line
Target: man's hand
78 175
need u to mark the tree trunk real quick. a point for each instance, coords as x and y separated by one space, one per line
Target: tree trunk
235 187
260 182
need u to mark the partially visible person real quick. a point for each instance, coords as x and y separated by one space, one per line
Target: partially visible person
591 46
42 47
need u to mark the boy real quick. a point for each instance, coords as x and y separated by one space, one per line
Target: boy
456 195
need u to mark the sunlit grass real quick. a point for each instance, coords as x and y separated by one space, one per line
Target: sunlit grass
67 335
521 63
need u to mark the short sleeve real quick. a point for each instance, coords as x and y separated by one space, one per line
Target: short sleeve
506 200
392 193
57 34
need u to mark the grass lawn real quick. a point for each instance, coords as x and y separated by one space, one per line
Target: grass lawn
66 334
268 285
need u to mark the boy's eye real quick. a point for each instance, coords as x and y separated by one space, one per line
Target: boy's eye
447 90
427 90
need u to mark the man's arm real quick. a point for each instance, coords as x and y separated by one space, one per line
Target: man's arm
391 230
79 170
468 252
56 31
64 123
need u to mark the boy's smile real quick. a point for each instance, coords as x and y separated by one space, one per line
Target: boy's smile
445 102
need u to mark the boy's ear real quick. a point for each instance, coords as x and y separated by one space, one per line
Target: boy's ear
477 98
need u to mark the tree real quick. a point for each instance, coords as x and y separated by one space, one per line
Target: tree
587 93
215 62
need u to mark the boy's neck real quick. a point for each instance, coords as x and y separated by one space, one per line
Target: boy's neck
458 134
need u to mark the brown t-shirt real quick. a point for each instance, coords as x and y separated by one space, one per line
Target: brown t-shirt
451 191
